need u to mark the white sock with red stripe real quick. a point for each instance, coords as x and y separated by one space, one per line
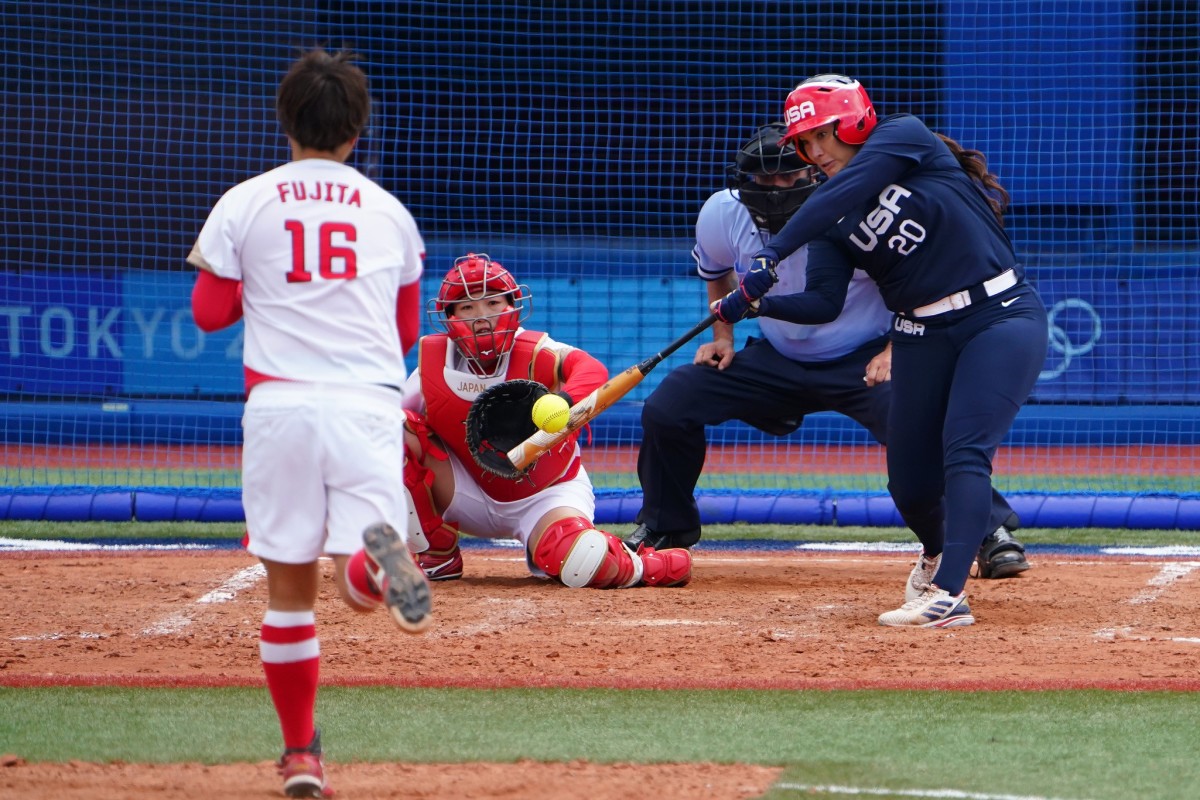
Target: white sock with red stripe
291 661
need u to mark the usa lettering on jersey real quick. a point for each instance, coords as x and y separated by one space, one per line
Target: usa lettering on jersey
909 233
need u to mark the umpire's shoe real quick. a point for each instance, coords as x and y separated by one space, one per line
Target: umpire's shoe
1001 556
644 535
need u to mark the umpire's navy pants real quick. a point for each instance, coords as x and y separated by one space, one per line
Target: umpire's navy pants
762 388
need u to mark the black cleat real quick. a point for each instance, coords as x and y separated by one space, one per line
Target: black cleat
1001 556
643 534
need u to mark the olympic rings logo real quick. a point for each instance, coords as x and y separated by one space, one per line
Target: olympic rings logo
1084 324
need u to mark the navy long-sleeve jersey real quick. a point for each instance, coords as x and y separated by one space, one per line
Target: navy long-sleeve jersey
903 210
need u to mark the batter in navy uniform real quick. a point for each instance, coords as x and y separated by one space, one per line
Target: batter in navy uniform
775 380
923 218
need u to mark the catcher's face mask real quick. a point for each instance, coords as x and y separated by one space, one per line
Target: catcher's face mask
770 178
488 331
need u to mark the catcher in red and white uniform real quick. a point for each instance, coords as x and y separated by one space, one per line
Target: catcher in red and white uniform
481 307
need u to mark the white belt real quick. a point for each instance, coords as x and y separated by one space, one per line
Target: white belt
989 288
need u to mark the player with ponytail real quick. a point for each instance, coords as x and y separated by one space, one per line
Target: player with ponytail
922 217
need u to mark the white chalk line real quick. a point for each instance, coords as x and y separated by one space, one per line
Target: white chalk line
522 611
57 637
861 547
661 623
1163 580
58 545
509 613
502 615
864 791
173 623
1127 634
1166 550
1166 577
227 591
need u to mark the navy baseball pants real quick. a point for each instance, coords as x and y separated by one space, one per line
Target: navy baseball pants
958 380
762 388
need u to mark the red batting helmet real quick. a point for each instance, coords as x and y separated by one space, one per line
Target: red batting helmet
823 99
474 277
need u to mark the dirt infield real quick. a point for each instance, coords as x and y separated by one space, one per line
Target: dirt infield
748 620
526 780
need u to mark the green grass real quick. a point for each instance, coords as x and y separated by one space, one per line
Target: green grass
74 531
876 482
811 533
1093 745
1077 744
807 481
221 478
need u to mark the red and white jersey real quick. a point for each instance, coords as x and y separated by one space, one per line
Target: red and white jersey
443 389
322 252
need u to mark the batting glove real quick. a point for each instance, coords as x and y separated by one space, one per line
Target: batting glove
761 276
735 306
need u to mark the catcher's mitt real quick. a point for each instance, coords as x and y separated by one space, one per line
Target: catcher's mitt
499 420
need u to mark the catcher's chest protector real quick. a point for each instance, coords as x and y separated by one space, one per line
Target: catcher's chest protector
446 412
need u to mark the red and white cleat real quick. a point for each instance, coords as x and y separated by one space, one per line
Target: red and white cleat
441 566
303 771
402 583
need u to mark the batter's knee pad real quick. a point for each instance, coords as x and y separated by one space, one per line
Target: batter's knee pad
429 536
579 555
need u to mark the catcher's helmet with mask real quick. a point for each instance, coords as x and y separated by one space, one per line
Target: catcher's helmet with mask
482 340
771 202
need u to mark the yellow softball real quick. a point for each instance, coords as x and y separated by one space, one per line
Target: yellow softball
550 413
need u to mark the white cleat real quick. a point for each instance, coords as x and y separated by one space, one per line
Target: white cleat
935 608
921 577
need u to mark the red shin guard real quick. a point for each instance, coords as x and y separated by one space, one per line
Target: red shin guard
671 567
579 555
434 540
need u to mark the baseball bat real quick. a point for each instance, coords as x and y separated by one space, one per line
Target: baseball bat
599 401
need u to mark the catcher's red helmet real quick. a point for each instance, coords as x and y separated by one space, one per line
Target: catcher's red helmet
475 277
823 99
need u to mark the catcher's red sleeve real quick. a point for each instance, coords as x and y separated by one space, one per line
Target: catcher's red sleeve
408 314
216 302
582 374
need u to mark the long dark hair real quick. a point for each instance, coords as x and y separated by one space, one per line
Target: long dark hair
975 164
